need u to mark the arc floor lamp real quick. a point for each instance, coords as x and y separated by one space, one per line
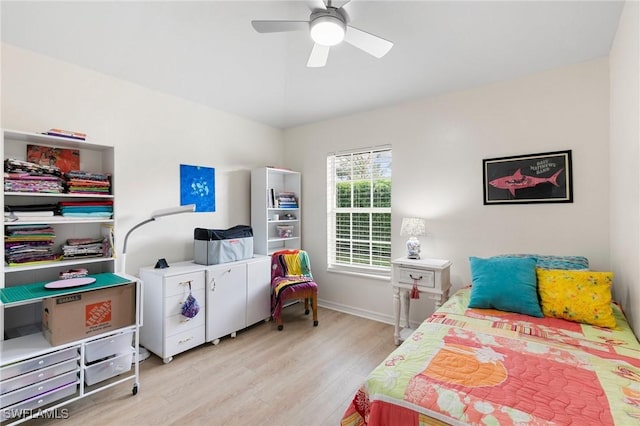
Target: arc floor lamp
154 216
143 353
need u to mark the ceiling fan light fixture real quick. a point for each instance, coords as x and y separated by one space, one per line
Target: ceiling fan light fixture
327 30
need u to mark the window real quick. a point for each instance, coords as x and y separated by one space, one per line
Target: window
359 211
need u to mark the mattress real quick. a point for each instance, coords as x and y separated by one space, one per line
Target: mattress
466 366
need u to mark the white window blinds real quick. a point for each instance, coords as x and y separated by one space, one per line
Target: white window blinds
359 210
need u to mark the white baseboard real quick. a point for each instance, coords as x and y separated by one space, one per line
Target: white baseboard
375 316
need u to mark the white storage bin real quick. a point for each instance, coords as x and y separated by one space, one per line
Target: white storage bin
38 402
113 345
36 363
39 375
108 368
37 389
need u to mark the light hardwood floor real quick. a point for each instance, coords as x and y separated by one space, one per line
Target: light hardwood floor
301 376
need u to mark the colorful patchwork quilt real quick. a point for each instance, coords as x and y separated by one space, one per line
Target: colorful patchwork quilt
486 367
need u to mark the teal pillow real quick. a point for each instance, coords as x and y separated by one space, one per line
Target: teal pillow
555 262
505 283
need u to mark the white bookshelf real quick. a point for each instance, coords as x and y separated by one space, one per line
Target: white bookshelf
275 227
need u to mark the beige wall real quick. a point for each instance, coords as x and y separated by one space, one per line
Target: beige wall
438 147
152 134
625 157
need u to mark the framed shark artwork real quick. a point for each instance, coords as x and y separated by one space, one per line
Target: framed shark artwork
531 178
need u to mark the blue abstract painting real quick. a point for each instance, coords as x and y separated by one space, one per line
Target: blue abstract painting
198 186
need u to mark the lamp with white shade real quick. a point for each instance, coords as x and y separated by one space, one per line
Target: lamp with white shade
413 227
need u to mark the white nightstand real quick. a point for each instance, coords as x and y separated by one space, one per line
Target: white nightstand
432 279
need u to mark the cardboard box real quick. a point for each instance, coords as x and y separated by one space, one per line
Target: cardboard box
80 315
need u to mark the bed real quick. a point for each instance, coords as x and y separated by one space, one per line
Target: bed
485 366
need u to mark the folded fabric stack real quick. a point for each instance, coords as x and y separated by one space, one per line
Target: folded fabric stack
33 212
29 243
87 209
83 247
22 176
80 182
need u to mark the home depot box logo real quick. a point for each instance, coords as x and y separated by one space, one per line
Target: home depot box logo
80 315
97 313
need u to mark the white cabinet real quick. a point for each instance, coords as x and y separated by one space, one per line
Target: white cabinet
238 295
258 290
166 332
226 300
232 296
275 209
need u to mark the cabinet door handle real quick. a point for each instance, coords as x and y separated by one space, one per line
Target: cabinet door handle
213 279
184 340
414 278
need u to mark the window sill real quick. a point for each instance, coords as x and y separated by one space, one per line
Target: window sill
376 275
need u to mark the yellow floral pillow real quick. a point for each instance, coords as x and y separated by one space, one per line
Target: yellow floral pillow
579 296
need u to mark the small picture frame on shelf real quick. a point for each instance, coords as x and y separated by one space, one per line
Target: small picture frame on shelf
62 158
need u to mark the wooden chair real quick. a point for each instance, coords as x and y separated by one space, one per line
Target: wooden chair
291 279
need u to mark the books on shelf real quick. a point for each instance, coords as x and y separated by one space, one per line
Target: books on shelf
66 134
271 198
287 200
281 200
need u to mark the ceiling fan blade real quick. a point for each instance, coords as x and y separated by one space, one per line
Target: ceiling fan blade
279 26
316 4
350 9
339 3
318 57
372 44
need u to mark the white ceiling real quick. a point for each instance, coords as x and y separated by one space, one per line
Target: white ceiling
207 51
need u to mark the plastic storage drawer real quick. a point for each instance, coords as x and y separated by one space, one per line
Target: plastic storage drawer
37 363
37 389
39 375
103 370
113 345
38 402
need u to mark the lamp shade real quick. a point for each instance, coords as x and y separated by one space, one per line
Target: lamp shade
413 227
327 30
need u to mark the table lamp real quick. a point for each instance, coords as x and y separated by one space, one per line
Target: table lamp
413 227
155 215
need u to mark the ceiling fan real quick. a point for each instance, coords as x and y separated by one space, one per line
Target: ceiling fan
328 26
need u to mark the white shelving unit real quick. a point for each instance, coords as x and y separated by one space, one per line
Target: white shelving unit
93 158
22 338
266 184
